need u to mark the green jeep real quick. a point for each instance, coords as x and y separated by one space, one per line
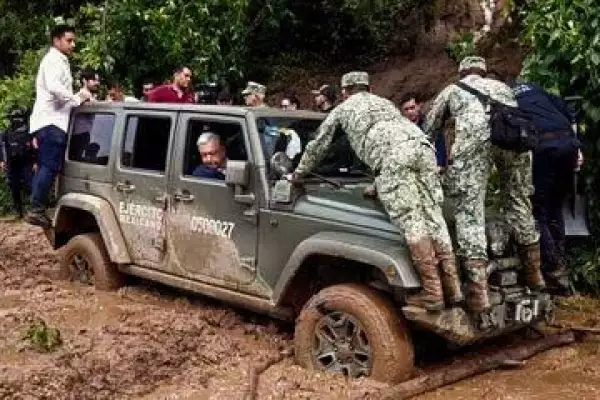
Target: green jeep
318 252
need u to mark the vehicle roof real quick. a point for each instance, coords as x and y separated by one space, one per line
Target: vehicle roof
203 108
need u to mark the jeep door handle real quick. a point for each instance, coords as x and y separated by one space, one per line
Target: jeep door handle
184 197
125 187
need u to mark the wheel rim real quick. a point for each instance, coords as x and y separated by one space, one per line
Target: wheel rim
81 269
341 345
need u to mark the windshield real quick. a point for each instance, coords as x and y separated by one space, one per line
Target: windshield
291 135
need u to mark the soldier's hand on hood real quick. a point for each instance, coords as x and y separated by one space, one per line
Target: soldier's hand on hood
370 192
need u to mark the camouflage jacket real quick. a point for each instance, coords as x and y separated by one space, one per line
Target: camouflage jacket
359 117
472 122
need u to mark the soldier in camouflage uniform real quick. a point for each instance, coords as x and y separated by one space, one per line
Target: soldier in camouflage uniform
407 181
466 179
254 94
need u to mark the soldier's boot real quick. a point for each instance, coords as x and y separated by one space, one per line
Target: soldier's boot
431 297
449 275
530 257
558 281
478 299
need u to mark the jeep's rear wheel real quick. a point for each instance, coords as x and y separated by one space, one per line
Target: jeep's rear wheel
354 330
85 259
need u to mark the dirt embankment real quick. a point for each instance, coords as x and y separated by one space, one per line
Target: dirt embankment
149 342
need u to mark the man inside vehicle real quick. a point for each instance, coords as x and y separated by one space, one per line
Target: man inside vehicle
213 156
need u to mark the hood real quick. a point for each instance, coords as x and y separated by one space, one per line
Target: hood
346 205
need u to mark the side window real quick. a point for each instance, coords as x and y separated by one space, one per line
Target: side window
91 138
146 143
230 135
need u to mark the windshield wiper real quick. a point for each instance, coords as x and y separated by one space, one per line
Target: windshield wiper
336 184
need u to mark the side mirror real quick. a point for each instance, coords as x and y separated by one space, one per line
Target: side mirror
237 173
281 164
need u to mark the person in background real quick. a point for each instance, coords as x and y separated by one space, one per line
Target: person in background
290 101
17 156
325 98
411 107
115 93
54 99
90 80
224 98
147 87
254 94
179 91
213 156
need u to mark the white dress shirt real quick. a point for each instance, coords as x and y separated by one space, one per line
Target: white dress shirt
54 96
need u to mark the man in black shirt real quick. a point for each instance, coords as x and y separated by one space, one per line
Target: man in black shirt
16 156
554 161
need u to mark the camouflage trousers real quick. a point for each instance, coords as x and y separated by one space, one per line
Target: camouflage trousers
410 190
516 188
465 185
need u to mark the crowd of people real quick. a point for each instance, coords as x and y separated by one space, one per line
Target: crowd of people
404 148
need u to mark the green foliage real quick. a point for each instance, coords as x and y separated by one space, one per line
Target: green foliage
564 38
42 337
19 89
130 40
462 46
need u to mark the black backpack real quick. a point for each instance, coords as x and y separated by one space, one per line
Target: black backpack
511 128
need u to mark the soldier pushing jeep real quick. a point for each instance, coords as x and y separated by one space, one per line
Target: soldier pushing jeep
407 182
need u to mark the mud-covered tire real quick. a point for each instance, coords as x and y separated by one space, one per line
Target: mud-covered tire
386 332
89 249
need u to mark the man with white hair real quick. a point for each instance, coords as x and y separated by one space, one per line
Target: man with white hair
468 173
213 156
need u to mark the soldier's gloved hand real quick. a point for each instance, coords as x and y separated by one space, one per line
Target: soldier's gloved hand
370 192
290 177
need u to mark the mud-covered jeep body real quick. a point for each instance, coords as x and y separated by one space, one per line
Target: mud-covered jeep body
129 204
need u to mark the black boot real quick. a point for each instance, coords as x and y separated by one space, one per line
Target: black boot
38 217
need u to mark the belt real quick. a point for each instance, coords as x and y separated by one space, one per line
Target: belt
554 135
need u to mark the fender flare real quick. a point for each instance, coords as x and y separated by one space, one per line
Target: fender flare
391 257
105 218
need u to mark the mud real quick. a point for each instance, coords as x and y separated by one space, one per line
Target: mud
150 342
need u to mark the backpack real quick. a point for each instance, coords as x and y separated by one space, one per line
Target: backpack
511 128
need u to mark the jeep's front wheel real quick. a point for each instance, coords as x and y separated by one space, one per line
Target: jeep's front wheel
354 330
85 259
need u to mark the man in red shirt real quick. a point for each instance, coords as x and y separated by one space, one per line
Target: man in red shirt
177 92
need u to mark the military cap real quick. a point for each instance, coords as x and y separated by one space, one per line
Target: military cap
254 88
472 62
326 90
355 78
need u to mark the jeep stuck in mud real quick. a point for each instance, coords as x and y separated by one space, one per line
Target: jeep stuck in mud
318 252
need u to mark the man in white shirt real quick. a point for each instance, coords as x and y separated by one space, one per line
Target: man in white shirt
50 117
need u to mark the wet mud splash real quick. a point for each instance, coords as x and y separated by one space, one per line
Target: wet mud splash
149 342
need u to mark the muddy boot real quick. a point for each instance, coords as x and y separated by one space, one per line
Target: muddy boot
449 275
431 297
558 281
530 257
38 217
478 299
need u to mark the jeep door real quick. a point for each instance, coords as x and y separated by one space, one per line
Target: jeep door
140 183
212 232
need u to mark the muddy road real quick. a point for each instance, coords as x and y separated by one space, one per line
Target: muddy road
150 342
